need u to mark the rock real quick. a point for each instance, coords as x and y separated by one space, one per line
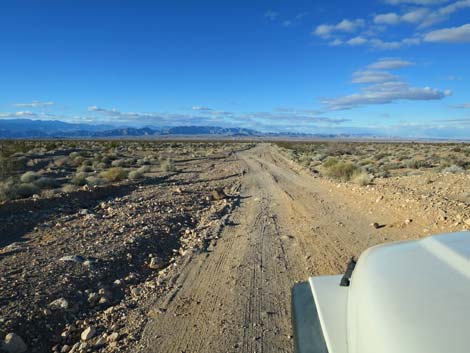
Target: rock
218 194
73 258
100 342
375 225
88 333
156 263
136 291
14 344
379 198
65 349
113 337
60 303
408 221
83 211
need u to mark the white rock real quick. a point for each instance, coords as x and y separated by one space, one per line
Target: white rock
60 303
88 333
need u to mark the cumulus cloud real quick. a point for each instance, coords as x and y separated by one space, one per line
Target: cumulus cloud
357 41
382 88
349 26
393 18
449 35
34 104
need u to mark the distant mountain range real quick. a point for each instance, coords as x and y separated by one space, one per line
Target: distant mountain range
25 128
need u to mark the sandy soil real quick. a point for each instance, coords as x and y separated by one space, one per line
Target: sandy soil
289 226
228 263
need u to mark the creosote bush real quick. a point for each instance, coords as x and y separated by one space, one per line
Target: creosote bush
29 177
114 174
341 170
135 175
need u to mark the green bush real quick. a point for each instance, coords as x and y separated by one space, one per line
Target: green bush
29 177
330 161
341 170
135 175
46 183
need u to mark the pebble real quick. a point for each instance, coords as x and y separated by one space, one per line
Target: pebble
60 303
88 333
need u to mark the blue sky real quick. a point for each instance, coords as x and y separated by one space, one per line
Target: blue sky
391 67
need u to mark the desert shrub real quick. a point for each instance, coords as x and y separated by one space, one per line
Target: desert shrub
95 180
361 178
24 190
453 169
330 162
143 169
118 163
114 174
9 165
85 169
7 190
46 183
342 171
135 175
417 164
69 188
168 166
60 162
29 177
79 179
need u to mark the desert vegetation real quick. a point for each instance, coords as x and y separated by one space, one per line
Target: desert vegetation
45 168
361 162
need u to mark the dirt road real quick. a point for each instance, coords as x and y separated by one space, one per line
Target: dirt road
236 297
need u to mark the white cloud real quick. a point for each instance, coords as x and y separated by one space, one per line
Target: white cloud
387 18
271 15
368 76
34 104
389 63
382 88
449 35
357 41
393 18
349 26
415 2
199 108
443 13
461 106
385 93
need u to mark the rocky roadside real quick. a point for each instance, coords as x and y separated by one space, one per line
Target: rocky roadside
80 281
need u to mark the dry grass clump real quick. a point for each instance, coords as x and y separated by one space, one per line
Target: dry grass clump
10 190
341 170
168 165
79 179
362 178
114 174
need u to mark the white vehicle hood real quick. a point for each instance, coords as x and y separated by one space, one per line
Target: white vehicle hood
411 297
